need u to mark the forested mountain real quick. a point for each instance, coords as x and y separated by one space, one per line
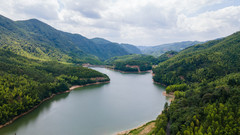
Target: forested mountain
25 82
130 49
201 62
132 63
160 49
35 39
110 49
205 81
167 55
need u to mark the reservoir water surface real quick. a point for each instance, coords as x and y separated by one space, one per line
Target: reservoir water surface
128 101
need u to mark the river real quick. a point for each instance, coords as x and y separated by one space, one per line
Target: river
128 101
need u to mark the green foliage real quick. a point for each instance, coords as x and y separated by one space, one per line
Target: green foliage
123 63
201 63
135 57
161 123
166 56
25 82
132 66
179 94
176 87
209 101
143 129
131 49
37 40
218 119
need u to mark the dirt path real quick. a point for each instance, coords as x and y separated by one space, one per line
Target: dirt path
134 67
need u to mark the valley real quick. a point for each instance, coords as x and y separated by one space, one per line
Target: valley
38 62
97 109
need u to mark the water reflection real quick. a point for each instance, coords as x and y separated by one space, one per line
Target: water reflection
26 120
129 100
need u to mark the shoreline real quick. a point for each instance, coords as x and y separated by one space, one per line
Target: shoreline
125 132
108 67
160 83
170 95
129 130
148 71
48 98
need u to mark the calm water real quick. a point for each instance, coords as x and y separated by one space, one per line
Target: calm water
128 101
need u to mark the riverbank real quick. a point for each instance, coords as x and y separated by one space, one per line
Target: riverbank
140 130
149 126
148 71
111 68
67 91
169 95
159 83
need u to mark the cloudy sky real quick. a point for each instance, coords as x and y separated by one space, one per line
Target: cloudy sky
138 22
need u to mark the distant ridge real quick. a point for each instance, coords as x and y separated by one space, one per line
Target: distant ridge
161 49
131 49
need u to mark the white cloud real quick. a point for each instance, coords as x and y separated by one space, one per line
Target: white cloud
215 23
88 8
25 9
140 22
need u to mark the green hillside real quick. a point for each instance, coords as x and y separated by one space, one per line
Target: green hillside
118 50
131 49
32 43
201 63
25 82
205 81
122 63
35 39
167 55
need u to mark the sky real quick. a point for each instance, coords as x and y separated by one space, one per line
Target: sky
138 22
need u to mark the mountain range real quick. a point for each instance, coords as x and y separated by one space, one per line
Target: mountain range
35 39
36 61
38 40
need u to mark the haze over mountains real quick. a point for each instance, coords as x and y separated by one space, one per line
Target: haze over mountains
161 49
35 39
37 61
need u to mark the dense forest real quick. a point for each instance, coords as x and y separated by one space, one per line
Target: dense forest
35 39
37 61
112 49
205 80
132 63
24 82
167 55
